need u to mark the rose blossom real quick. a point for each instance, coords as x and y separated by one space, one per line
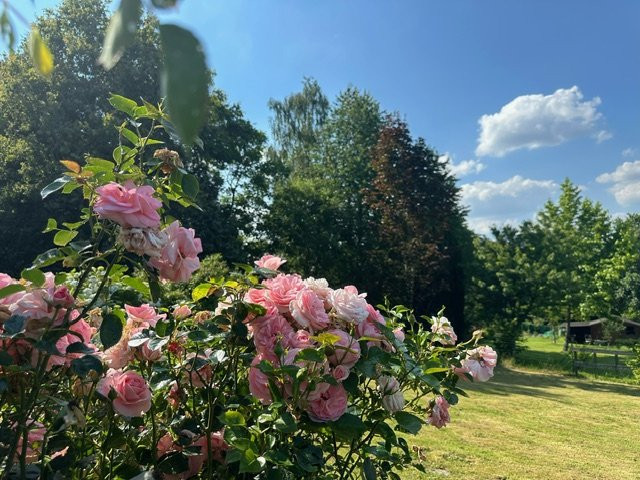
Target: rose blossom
348 306
369 327
144 315
128 205
181 312
300 339
307 309
347 349
320 286
5 281
313 369
133 395
442 327
439 416
199 371
392 397
340 372
283 290
399 334
179 257
61 297
270 262
196 461
329 406
270 331
142 241
258 381
480 362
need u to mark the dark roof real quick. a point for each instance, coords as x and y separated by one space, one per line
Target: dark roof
598 321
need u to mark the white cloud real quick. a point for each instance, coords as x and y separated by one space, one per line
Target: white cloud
508 202
534 121
464 168
625 180
602 136
629 152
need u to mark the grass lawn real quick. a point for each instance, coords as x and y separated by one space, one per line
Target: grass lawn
531 425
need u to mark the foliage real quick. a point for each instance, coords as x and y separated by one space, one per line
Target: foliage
260 373
211 267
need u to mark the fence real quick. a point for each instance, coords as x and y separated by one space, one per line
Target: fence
588 357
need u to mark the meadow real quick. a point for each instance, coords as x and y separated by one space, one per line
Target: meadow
537 424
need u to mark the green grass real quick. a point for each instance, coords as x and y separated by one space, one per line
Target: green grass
525 425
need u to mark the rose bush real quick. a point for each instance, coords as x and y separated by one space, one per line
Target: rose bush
263 374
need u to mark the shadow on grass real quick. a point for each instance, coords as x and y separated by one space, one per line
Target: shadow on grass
509 381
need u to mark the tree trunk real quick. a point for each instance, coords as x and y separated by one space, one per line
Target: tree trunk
568 335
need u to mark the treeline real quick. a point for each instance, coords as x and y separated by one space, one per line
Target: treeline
574 262
342 190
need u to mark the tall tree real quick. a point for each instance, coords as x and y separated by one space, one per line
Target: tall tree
414 200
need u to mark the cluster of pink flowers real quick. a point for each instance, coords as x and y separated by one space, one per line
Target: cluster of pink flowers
298 311
173 251
44 307
166 445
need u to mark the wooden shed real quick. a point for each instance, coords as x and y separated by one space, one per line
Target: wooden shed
584 332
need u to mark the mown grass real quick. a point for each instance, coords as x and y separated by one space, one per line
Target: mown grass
525 425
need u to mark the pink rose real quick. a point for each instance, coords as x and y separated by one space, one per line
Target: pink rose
181 312
144 315
128 205
80 331
179 257
307 309
142 241
175 395
340 372
329 406
5 281
121 354
283 290
439 416
320 287
62 297
300 339
258 381
480 363
443 329
167 445
271 330
199 371
369 327
348 306
314 369
399 334
347 349
133 395
270 262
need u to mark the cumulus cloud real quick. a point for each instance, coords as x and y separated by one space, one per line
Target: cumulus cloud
534 121
625 183
602 136
629 152
467 167
499 203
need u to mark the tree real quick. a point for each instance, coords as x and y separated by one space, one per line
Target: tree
415 201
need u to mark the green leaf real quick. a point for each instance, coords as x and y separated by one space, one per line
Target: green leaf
40 54
5 359
129 135
286 423
95 164
51 225
368 470
201 291
79 347
232 417
190 185
63 237
54 186
34 276
120 32
408 422
11 289
48 258
137 284
348 427
175 462
184 81
83 365
250 462
310 355
110 330
123 104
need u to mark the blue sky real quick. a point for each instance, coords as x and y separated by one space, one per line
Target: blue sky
519 94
